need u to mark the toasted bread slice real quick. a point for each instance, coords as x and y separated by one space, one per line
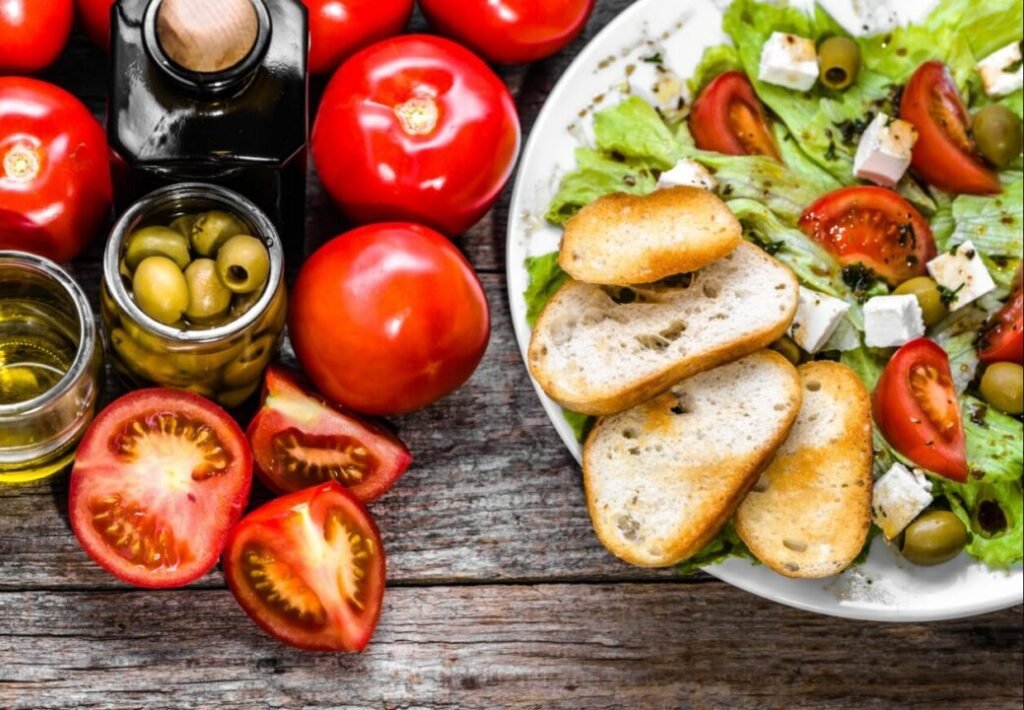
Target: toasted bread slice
603 349
631 239
663 477
809 513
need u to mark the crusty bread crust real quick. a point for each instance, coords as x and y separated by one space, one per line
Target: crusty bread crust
634 239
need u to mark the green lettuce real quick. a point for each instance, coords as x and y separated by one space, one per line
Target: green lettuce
725 544
717 60
995 225
546 277
994 451
986 26
957 334
581 423
977 503
635 130
595 176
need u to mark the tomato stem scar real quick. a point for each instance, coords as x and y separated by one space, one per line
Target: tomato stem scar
21 163
418 115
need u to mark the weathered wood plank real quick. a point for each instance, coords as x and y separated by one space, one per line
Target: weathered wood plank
594 646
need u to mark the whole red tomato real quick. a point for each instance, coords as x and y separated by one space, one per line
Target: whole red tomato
338 28
55 187
416 128
512 31
33 33
388 318
95 18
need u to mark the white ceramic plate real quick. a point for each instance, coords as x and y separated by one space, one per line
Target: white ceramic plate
885 588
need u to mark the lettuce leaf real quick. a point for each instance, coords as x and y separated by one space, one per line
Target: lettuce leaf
634 129
723 546
581 423
546 277
986 26
995 224
594 177
975 502
994 451
717 60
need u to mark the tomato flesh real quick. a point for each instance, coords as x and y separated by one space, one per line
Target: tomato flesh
1003 339
309 569
875 227
299 440
728 118
159 479
916 408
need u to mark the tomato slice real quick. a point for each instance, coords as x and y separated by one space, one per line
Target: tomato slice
309 569
160 478
945 155
728 118
299 440
916 409
872 226
1002 340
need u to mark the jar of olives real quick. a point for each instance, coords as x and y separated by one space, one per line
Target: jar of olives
193 292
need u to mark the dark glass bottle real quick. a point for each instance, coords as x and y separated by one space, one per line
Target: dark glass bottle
201 95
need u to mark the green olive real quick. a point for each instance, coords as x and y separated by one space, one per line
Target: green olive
243 302
201 390
212 229
184 224
997 131
928 296
234 398
156 241
935 537
160 289
785 347
145 364
207 364
839 59
274 318
243 264
208 298
1002 386
248 367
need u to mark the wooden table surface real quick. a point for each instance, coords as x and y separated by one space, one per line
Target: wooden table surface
498 592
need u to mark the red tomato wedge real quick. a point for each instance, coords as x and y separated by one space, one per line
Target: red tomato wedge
945 155
309 569
160 478
299 440
727 117
916 409
872 226
1002 340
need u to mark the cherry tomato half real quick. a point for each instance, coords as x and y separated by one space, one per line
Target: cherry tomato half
33 33
512 31
338 28
160 478
309 569
416 128
872 226
55 188
1002 340
95 18
916 409
299 440
945 155
727 117
388 318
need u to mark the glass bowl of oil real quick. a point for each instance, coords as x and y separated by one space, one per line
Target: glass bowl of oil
50 367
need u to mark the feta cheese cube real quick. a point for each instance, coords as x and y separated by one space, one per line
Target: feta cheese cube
817 317
1002 72
885 150
891 321
688 173
963 274
899 496
656 84
789 61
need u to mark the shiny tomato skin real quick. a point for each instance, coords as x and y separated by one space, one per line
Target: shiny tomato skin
388 318
33 33
298 439
339 28
875 227
728 118
512 31
95 18
416 128
55 186
297 542
168 473
916 409
1002 340
945 155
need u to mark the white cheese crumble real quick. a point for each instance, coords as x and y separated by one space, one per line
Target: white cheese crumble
885 150
687 173
963 275
891 321
1002 72
789 61
817 317
899 496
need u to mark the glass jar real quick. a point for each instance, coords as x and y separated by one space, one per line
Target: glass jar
51 367
224 363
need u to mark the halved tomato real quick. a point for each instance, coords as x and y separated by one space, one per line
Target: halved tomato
1002 340
945 155
727 117
160 478
872 226
916 408
309 569
300 440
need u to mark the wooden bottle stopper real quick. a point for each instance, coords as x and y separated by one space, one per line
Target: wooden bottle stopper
207 35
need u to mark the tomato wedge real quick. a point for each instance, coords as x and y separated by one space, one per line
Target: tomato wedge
872 226
1002 340
727 117
945 155
309 569
299 440
916 409
160 478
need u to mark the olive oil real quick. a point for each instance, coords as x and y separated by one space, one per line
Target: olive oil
37 347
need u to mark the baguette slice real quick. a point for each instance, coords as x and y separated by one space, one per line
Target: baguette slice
809 514
662 478
631 239
603 349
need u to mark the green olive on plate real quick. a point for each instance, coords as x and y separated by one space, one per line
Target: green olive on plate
928 296
936 536
997 131
785 347
1002 386
208 297
839 61
243 264
212 229
156 241
160 289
